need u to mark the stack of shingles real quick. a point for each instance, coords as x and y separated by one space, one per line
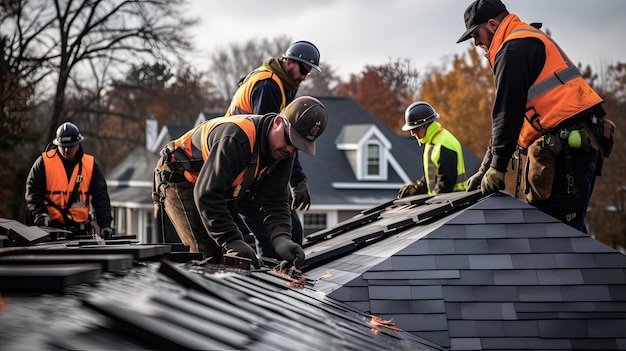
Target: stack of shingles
30 262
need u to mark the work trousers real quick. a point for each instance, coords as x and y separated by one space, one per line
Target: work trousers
181 209
569 204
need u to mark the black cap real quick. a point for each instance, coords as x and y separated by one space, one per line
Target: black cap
480 11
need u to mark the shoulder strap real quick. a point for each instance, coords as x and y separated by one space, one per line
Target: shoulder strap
250 170
79 179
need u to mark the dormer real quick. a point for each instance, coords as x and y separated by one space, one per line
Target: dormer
367 150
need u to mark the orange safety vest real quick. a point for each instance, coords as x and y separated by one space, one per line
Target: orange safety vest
242 101
192 146
59 189
559 92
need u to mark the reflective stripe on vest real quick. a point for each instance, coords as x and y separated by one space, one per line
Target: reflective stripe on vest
194 146
432 153
559 92
59 188
242 101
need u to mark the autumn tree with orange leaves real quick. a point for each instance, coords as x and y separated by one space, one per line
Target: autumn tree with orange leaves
385 91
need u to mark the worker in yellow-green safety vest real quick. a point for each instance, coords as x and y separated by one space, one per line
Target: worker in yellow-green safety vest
444 167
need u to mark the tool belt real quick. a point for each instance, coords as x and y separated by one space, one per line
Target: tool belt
595 133
605 130
171 168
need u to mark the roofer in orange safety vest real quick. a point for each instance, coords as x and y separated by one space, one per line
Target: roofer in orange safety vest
62 183
246 158
543 105
269 88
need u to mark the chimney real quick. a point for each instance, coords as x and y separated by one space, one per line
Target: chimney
152 128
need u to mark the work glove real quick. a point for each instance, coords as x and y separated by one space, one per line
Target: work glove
42 220
473 182
419 187
106 233
288 250
240 248
492 181
300 198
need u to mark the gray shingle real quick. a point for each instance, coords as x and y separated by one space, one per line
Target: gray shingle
481 310
509 245
471 246
452 262
552 245
560 276
540 293
397 293
458 293
427 306
426 292
520 328
534 261
490 262
466 344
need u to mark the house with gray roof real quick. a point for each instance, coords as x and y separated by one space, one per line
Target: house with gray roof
359 164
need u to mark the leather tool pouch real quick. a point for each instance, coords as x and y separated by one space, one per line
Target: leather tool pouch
540 169
606 132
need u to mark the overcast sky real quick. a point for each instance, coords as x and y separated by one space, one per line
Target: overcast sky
353 33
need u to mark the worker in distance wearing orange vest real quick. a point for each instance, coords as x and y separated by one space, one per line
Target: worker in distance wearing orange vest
269 88
541 99
62 183
247 159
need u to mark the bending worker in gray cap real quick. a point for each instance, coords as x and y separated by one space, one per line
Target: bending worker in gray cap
248 158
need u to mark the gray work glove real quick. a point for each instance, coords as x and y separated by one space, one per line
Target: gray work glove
288 250
106 233
492 181
240 248
42 220
300 198
473 182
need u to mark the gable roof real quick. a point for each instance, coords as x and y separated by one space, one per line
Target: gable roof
490 274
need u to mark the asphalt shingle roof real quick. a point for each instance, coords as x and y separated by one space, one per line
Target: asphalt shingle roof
493 274
453 271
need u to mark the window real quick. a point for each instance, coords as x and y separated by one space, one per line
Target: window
314 222
373 159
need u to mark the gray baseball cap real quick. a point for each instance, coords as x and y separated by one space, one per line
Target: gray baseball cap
307 120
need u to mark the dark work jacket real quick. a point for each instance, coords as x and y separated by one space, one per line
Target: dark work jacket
36 188
229 155
516 67
267 96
